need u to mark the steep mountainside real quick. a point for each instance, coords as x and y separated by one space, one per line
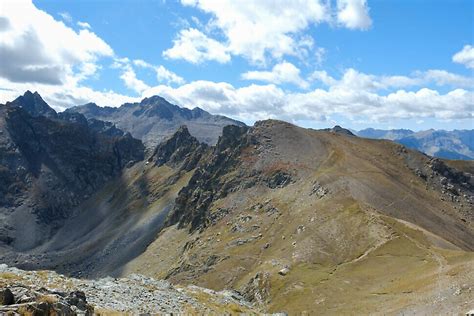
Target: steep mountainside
294 219
48 166
457 144
154 118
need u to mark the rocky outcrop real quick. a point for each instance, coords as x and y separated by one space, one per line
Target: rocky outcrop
207 184
227 167
181 150
25 300
257 290
33 294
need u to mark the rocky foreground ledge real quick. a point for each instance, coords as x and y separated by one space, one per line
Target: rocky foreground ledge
46 292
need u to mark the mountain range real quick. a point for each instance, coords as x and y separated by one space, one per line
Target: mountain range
154 118
456 144
288 219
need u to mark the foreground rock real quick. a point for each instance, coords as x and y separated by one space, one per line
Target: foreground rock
47 292
25 300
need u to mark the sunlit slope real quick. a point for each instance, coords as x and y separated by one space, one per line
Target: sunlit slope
363 226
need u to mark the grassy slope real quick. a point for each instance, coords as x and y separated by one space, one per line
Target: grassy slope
370 245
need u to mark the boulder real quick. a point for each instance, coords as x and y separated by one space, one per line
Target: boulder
6 297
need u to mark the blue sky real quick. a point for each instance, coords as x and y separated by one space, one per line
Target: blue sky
357 63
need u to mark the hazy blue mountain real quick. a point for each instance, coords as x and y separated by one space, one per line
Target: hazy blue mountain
456 144
384 134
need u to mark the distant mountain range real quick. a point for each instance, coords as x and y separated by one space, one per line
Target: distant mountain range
457 144
153 119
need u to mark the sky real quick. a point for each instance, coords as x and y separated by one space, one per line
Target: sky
356 63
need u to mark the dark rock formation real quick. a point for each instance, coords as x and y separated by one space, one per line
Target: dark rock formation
6 297
207 184
181 149
34 105
50 165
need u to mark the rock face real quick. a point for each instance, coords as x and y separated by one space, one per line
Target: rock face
154 119
49 165
181 149
192 204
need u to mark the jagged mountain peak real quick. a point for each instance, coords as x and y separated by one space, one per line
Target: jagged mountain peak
34 104
179 149
153 119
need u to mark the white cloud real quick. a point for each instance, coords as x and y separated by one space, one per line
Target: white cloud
66 16
195 47
443 78
320 55
130 79
353 79
283 72
262 30
253 29
465 56
38 52
268 101
37 48
322 75
83 25
353 14
162 74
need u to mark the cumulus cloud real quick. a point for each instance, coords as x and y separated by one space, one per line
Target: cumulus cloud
195 47
66 16
263 30
162 74
130 79
269 101
253 29
83 25
355 80
36 48
353 14
465 56
38 52
284 72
